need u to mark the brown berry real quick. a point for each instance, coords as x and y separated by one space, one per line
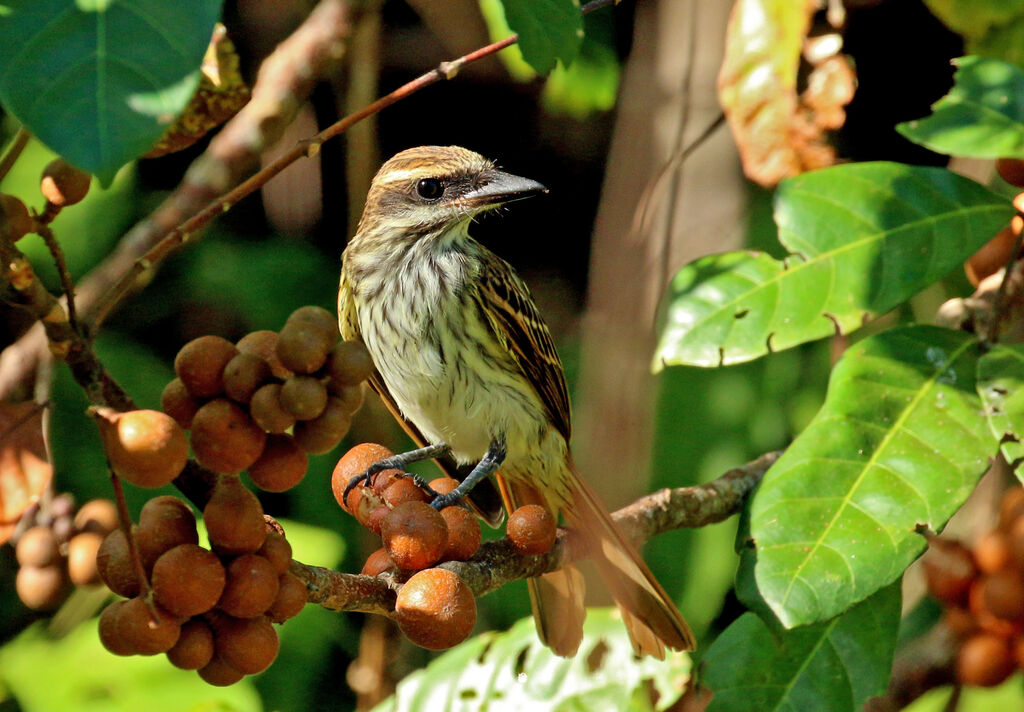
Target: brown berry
281 466
304 397
350 398
992 552
415 535
377 563
277 551
291 597
234 518
355 462
1003 594
251 587
219 674
435 609
15 221
200 365
302 347
375 519
38 546
224 438
145 447
991 258
960 622
97 515
316 318
62 184
949 571
248 645
404 489
42 588
82 550
194 648
243 375
109 636
985 619
264 345
267 411
531 529
178 403
463 534
188 580
348 364
1011 170
323 433
114 564
444 485
164 523
984 660
139 630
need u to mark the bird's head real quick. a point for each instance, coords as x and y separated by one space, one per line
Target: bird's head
430 189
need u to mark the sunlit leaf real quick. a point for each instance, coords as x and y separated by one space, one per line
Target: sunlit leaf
549 30
992 28
898 444
1001 385
865 237
25 467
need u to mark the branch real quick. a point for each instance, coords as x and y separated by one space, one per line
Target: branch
497 563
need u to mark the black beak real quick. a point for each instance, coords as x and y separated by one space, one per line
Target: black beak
501 187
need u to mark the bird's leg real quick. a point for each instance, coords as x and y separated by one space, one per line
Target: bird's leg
491 461
399 462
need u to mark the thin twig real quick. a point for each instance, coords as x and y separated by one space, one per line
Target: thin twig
125 521
14 149
67 285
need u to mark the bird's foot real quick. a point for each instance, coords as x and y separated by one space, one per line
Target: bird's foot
398 462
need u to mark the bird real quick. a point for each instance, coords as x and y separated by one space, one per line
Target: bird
466 363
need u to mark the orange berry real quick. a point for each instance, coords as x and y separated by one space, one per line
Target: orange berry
188 580
82 550
435 609
984 660
355 462
248 645
404 490
38 546
145 447
200 365
377 563
139 630
251 586
97 515
178 403
324 432
42 588
194 648
277 551
415 535
992 552
991 258
234 518
267 411
224 438
264 345
463 534
243 375
164 523
531 529
281 466
109 636
291 597
949 571
115 567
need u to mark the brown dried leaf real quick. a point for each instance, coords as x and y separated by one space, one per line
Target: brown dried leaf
219 96
25 468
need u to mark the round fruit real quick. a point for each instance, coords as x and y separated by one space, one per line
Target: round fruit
303 347
435 609
82 550
97 515
164 523
984 660
355 462
991 258
264 345
324 433
42 588
109 636
281 466
415 535
992 552
463 534
38 546
219 674
267 411
531 529
1011 170
251 587
188 580
138 629
402 490
62 184
194 648
291 597
178 403
377 563
350 398
248 645
277 551
444 485
348 364
200 365
224 438
316 318
949 571
234 518
15 222
304 397
145 447
114 564
960 622
1003 595
243 375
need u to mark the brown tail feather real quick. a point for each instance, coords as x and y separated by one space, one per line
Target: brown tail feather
557 597
650 616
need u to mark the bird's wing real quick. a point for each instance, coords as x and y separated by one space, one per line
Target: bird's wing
505 302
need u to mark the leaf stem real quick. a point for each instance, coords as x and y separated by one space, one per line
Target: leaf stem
14 150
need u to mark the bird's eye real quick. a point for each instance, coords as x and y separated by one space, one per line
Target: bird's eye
430 188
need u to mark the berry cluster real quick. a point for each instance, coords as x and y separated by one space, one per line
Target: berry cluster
982 591
209 610
434 608
59 550
239 401
994 255
61 184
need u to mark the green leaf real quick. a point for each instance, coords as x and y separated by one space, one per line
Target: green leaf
991 28
898 444
513 671
548 30
98 81
1001 385
865 237
77 673
834 666
981 117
